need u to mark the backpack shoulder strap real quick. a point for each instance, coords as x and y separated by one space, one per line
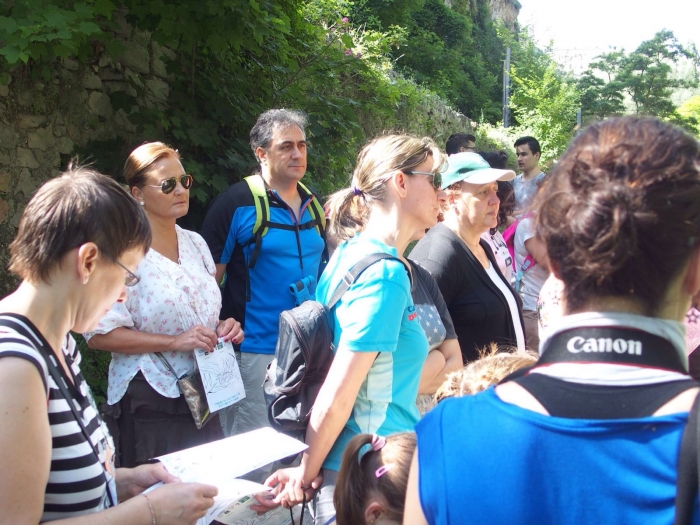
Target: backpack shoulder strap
262 205
316 210
688 468
351 276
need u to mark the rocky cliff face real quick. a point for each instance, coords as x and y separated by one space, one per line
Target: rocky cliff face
505 10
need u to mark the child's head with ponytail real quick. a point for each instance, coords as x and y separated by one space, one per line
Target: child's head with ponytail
373 476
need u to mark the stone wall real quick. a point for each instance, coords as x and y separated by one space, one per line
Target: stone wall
43 123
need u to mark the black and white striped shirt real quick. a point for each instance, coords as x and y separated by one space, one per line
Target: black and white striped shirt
78 484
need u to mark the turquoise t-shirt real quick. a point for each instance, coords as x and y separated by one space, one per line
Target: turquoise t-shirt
376 315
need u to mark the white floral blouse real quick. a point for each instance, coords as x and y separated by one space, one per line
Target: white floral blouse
169 299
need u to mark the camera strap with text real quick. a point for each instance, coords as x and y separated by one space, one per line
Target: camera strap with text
612 345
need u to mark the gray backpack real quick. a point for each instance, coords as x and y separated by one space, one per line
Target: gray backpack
303 356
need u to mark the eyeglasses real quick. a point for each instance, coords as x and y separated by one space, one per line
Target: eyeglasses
131 279
168 185
436 179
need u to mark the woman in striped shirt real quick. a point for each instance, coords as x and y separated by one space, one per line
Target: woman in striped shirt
79 241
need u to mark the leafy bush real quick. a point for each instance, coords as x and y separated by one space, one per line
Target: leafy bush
94 365
40 30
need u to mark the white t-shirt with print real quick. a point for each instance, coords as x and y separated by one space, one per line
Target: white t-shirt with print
535 276
501 253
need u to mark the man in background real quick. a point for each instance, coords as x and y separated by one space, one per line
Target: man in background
459 142
531 177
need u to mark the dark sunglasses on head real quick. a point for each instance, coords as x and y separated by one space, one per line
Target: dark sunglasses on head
168 185
436 177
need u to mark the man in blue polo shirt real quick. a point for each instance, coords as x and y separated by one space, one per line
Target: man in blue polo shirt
261 261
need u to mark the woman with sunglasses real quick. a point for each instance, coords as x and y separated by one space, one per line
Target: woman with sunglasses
172 309
380 345
483 306
80 238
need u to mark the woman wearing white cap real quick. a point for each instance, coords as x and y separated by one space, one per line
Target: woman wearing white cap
483 306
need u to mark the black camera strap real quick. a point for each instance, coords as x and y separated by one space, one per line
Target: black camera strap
62 383
613 345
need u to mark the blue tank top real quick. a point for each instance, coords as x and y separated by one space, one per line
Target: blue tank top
485 461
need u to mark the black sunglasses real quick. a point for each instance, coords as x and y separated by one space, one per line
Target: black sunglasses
436 177
168 185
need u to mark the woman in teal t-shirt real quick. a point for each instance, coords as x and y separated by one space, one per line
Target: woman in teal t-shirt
380 345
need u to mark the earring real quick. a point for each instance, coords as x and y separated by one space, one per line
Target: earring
85 281
141 203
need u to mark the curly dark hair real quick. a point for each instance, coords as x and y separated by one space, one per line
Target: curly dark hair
620 213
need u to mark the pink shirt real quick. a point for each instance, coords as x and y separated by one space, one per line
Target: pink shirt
500 251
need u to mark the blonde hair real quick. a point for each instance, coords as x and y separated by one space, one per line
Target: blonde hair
359 478
492 366
348 209
142 158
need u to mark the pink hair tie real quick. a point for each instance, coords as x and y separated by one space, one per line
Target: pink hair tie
377 443
383 470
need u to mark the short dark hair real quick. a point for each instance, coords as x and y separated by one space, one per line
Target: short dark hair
496 159
620 213
456 141
261 134
530 142
79 206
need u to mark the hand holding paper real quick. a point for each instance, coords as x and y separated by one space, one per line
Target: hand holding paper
221 376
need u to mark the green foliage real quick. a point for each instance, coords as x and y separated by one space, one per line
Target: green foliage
496 138
33 30
601 91
688 115
646 74
382 14
545 108
544 101
691 108
644 79
458 55
454 52
94 365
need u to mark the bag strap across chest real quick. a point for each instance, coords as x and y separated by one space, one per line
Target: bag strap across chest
47 354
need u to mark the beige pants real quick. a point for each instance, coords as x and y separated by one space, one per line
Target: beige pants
250 413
